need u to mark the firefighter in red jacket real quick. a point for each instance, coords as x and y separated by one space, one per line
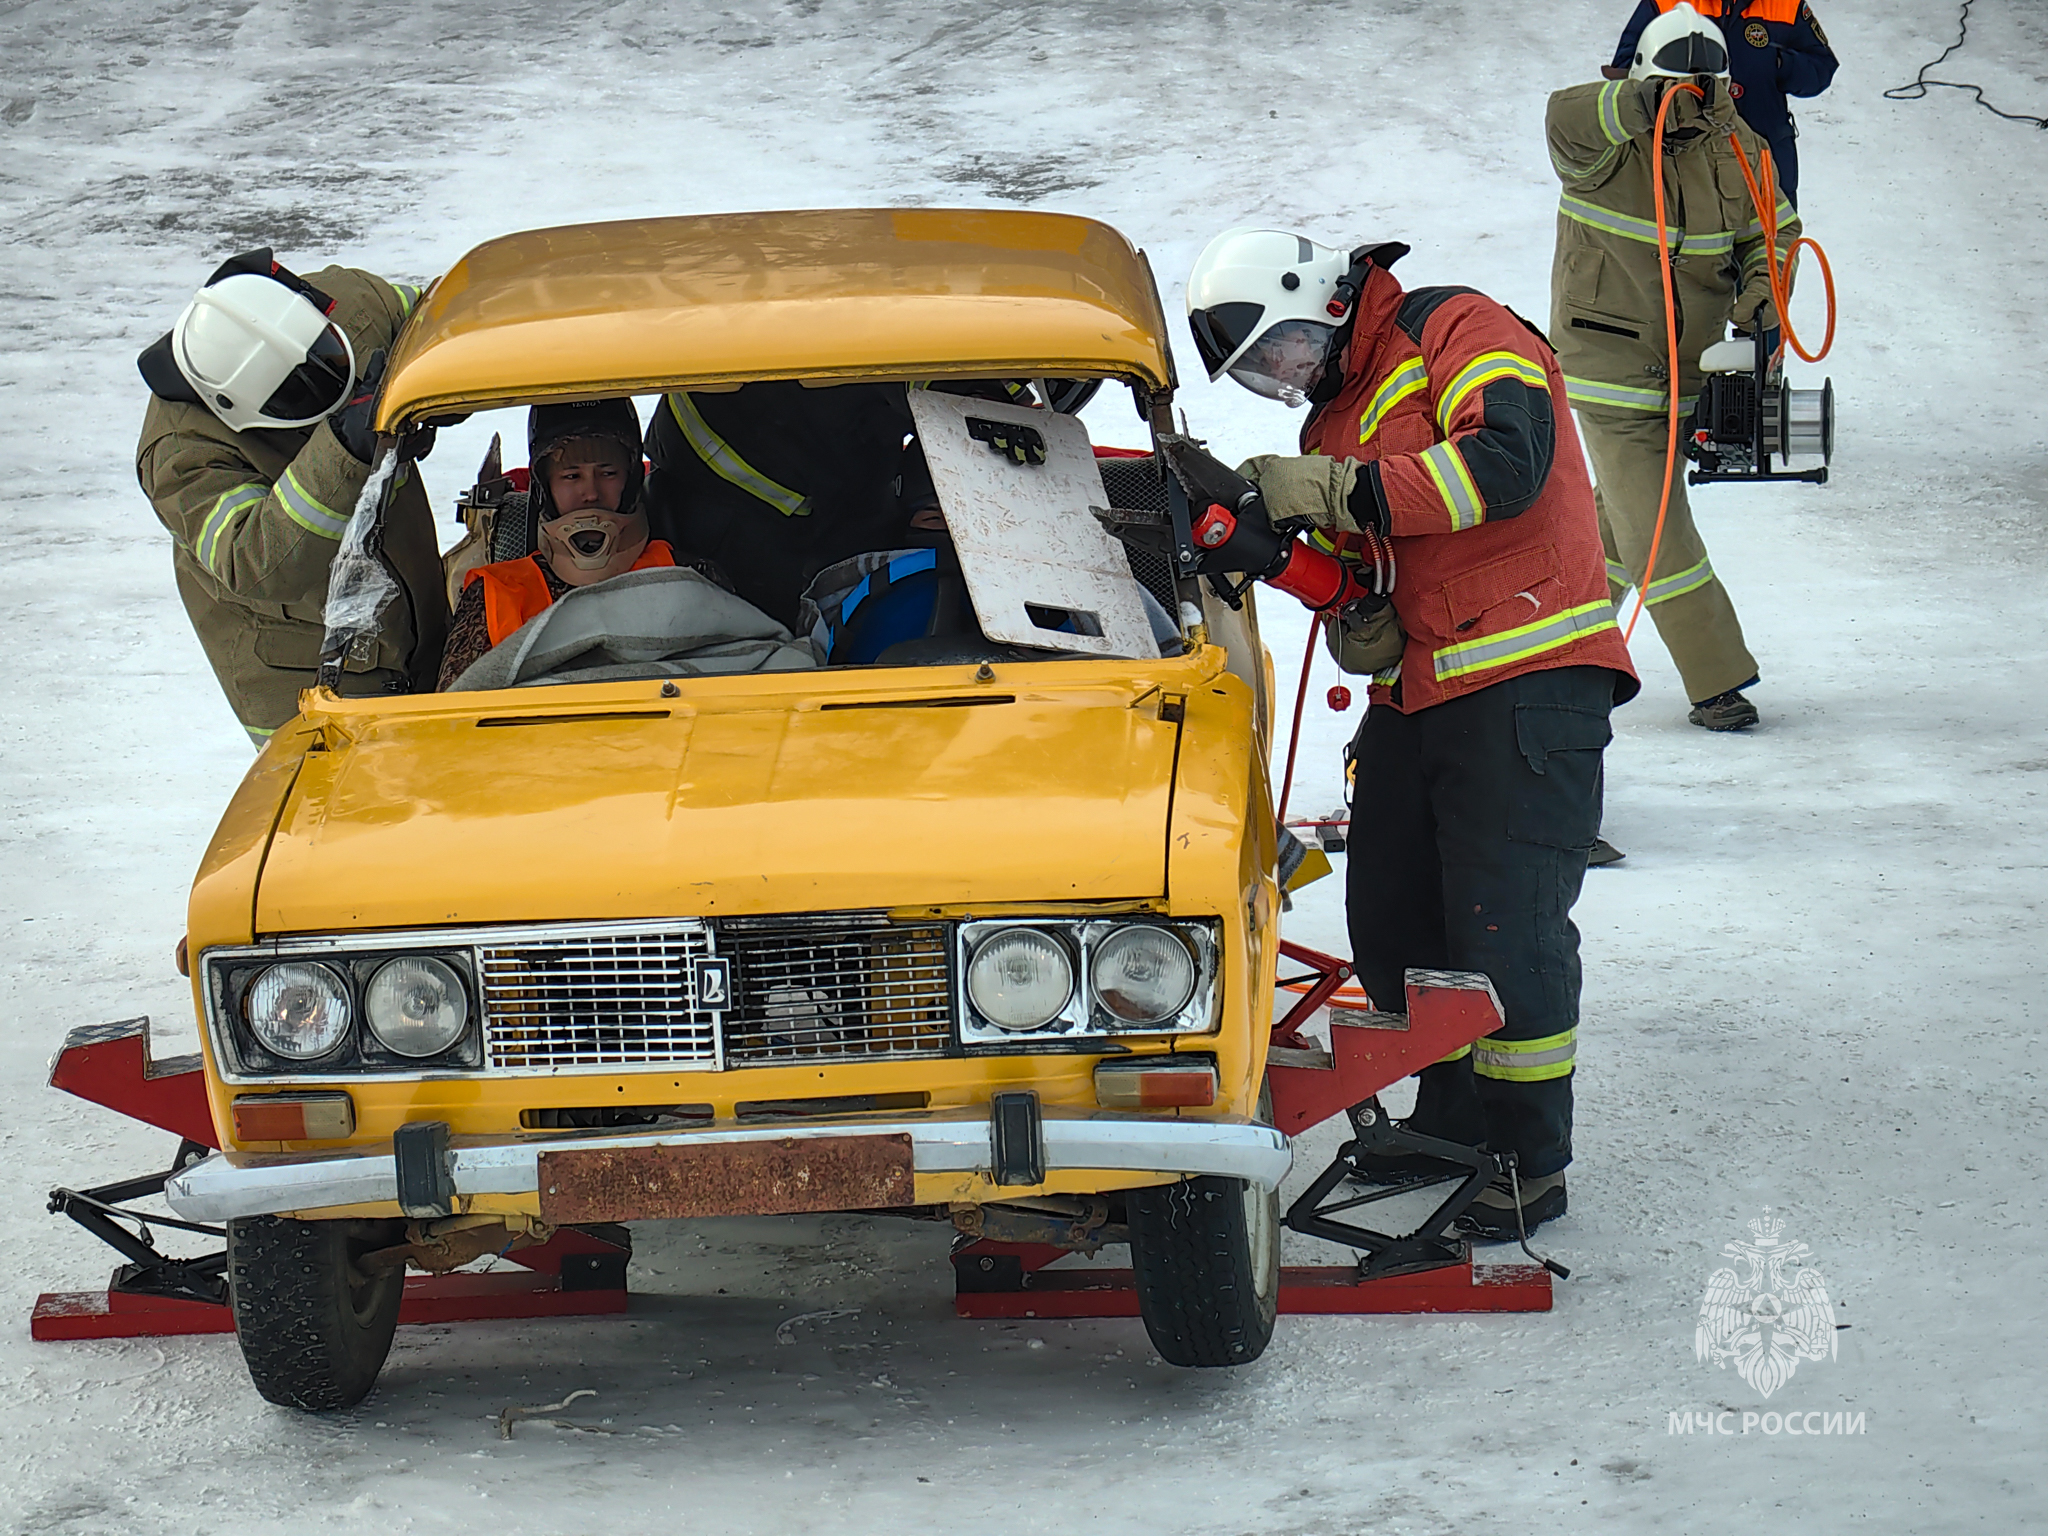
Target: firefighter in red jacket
1438 429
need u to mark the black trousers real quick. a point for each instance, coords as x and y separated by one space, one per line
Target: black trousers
1471 822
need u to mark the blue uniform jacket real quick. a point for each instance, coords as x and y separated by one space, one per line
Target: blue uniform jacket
1775 49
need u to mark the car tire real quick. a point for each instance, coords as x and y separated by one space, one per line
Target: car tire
314 1329
1205 1255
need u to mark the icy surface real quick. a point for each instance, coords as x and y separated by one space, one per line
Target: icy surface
1813 985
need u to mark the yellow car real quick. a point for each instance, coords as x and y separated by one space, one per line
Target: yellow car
953 938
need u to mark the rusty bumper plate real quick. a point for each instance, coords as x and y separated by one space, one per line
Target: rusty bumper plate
750 1178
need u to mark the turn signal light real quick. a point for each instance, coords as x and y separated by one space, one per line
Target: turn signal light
294 1117
1155 1083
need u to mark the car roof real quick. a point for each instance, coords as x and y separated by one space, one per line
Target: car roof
639 305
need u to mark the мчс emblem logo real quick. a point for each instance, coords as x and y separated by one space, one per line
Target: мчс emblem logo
1769 1312
1757 35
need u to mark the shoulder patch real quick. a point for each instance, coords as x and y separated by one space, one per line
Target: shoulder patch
1813 21
1420 304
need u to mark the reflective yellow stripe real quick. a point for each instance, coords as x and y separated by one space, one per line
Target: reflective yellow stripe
1620 575
1710 242
1408 379
1691 579
1624 396
1458 1055
1518 644
1480 372
1715 243
230 506
1610 112
1525 1061
1755 227
1570 171
1606 219
408 296
259 735
720 458
1461 497
304 509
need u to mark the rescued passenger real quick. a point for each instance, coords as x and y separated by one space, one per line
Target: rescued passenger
255 446
589 514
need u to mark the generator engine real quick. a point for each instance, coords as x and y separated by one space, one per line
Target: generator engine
1747 417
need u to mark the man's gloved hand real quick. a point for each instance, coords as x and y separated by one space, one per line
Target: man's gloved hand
352 422
1314 486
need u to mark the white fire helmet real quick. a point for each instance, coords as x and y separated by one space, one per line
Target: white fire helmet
1678 45
258 353
1264 306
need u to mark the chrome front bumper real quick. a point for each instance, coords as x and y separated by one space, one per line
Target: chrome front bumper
219 1189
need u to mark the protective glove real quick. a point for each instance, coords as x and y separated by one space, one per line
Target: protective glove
1313 486
352 423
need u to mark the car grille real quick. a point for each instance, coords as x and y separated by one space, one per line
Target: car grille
587 1000
804 989
822 991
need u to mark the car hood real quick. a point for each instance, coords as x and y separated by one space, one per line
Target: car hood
511 807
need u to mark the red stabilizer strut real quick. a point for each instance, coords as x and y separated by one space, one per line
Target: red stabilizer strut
110 1064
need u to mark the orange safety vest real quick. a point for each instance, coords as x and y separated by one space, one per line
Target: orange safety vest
516 590
1760 10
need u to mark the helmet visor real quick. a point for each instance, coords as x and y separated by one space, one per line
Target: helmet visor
1221 329
319 384
1693 53
1287 361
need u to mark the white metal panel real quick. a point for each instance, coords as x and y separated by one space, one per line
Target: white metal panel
1024 534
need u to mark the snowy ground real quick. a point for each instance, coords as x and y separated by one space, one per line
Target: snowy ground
1813 986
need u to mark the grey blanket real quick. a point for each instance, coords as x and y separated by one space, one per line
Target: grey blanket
668 621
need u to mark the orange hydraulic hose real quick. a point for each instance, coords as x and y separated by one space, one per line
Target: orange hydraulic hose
1308 656
1765 197
1670 352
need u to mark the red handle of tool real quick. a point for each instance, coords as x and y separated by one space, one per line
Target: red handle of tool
1317 579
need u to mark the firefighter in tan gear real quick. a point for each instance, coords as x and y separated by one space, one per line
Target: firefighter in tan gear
1608 321
255 446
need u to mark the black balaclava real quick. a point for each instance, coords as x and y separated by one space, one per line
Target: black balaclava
549 426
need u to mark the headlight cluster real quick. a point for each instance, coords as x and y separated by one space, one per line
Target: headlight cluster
1052 980
390 1012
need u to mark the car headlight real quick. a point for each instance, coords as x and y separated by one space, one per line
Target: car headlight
1019 979
416 1005
1143 974
298 1010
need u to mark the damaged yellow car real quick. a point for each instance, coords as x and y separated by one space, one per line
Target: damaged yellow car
625 933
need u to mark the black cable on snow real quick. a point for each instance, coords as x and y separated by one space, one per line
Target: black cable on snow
1916 89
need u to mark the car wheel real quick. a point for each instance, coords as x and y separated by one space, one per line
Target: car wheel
314 1329
1205 1254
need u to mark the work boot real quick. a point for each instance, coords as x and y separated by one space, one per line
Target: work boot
1728 711
1492 1215
1603 852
